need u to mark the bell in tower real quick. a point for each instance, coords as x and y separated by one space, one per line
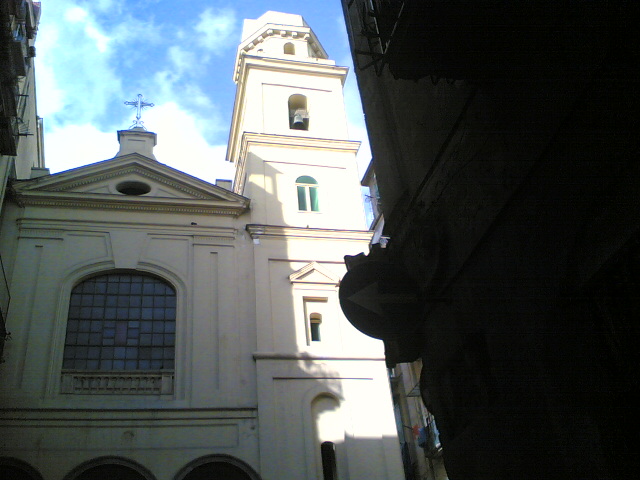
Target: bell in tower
298 114
300 119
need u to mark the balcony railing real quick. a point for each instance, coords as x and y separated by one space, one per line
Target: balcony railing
116 383
378 20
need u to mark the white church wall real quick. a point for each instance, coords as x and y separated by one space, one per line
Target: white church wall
54 255
267 94
213 367
271 184
280 305
289 437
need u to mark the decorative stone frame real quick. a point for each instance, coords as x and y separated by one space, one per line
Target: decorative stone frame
119 383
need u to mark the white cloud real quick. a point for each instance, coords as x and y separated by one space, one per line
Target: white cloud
135 31
75 78
114 6
75 14
216 29
170 86
78 145
181 59
181 144
102 41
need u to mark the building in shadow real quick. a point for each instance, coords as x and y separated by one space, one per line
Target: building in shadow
505 146
21 153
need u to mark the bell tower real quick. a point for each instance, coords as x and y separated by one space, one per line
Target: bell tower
289 137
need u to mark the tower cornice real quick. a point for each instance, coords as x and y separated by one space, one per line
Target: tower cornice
311 66
284 31
288 141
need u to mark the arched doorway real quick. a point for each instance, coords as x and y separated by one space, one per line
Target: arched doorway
12 469
110 472
109 468
217 467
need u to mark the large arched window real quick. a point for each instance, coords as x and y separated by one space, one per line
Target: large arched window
121 321
307 194
289 48
298 112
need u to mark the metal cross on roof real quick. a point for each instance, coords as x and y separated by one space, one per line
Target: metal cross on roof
140 105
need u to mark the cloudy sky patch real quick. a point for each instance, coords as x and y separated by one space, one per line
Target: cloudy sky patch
216 30
93 55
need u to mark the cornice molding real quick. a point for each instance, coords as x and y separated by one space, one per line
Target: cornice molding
300 276
58 228
137 169
160 174
309 67
310 356
314 143
283 31
110 415
128 203
276 231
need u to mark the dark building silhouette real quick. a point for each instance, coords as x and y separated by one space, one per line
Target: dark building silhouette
505 143
21 130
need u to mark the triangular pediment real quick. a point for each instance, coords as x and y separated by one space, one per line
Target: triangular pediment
314 273
133 181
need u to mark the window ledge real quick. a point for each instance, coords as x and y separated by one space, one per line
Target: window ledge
117 383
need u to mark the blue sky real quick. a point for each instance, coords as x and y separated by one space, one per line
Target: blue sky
95 54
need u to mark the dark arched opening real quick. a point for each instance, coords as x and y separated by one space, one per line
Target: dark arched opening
13 469
217 467
109 468
110 472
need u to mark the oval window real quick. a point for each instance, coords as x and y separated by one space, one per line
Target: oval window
133 188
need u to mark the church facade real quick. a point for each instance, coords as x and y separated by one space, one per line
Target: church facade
164 328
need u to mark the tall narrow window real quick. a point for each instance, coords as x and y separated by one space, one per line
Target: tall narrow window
298 112
289 48
329 436
121 321
328 455
307 194
315 319
315 311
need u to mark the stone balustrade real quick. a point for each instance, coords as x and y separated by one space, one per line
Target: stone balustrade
117 383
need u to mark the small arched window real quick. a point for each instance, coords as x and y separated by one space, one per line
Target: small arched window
307 194
121 321
298 112
289 48
315 319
